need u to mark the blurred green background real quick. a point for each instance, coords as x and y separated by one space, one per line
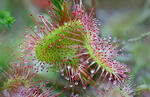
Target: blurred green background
126 20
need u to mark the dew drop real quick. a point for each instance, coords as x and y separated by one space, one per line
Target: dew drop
106 88
67 78
81 59
103 70
68 67
115 82
110 37
77 95
109 78
92 71
104 38
71 85
62 74
84 87
72 76
62 70
76 83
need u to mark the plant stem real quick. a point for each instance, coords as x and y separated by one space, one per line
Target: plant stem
139 38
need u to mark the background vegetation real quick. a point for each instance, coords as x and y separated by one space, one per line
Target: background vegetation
127 20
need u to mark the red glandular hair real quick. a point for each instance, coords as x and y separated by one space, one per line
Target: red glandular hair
94 53
21 81
115 89
71 13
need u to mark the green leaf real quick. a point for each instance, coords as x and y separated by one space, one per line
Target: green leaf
5 19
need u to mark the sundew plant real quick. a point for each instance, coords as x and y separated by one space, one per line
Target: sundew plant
66 54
